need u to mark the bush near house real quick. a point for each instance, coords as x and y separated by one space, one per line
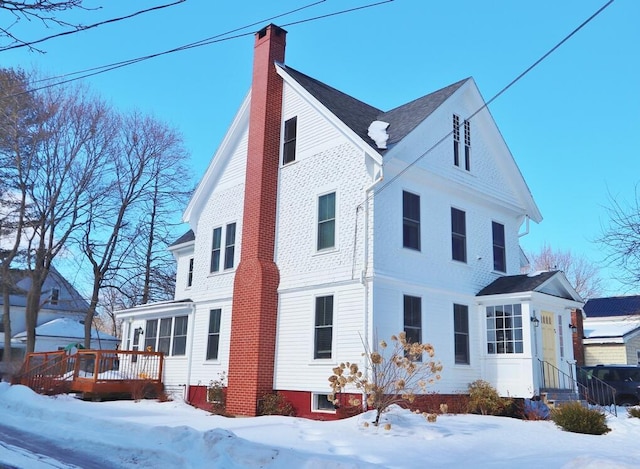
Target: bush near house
275 404
485 400
392 376
633 412
574 417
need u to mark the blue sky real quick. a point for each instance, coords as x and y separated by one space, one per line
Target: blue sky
571 123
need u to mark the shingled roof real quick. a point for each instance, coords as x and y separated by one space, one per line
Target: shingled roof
613 306
516 283
185 238
358 115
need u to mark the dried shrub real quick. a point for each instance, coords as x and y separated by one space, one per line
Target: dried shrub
535 410
393 375
485 400
633 412
574 417
276 404
217 394
142 389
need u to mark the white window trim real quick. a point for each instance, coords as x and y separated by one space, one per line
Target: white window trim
314 404
223 240
312 353
335 246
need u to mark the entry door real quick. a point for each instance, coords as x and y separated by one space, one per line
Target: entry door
549 348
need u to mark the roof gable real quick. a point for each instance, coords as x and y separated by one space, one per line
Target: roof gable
403 119
552 283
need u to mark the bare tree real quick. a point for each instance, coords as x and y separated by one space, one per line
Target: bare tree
75 139
583 275
19 118
125 221
621 238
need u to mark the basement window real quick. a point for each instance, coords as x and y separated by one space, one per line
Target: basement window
321 403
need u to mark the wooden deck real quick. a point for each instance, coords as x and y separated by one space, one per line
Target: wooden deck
94 373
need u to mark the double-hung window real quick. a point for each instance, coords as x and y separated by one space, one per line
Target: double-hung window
180 336
456 140
323 327
413 318
467 145
499 247
326 221
458 235
213 336
190 273
290 135
229 248
164 336
151 335
461 333
410 220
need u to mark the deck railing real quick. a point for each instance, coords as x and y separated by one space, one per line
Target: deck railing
91 371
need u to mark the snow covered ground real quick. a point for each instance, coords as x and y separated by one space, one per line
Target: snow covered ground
150 434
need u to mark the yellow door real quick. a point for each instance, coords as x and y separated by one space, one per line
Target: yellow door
549 348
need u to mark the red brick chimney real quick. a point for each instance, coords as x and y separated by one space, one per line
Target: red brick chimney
578 344
255 291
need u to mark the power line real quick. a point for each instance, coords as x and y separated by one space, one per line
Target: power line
203 42
91 26
486 104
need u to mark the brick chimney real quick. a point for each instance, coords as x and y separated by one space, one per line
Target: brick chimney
255 291
578 344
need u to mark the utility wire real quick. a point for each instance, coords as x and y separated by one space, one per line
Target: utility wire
212 40
485 105
80 28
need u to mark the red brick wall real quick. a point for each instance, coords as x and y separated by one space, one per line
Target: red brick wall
578 344
255 297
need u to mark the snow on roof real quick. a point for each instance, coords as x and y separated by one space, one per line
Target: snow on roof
599 329
68 328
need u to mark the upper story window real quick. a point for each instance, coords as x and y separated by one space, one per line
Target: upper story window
458 235
456 140
190 273
290 134
323 327
504 329
499 247
229 247
55 296
213 336
467 145
461 334
410 220
326 221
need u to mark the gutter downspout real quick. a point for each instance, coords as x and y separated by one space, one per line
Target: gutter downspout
368 321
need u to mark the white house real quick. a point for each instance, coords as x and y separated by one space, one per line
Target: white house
323 222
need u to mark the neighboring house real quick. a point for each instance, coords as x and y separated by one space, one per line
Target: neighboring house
67 333
612 330
59 299
323 223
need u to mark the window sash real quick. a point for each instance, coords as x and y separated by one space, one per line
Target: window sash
458 235
229 243
150 334
467 145
290 136
179 347
190 273
461 334
164 336
456 140
213 336
326 221
215 249
410 220
323 340
499 247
